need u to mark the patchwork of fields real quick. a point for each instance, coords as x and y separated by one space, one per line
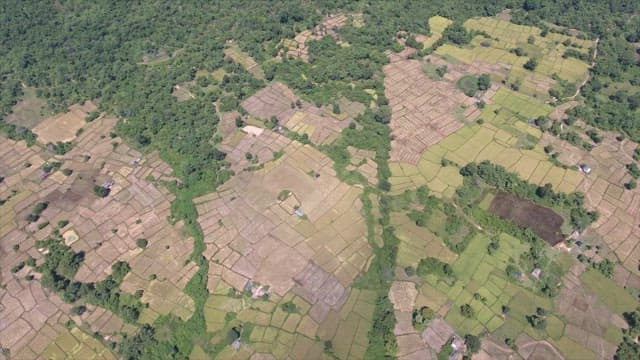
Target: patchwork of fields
287 242
104 230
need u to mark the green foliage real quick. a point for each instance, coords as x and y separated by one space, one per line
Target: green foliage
633 170
498 177
531 64
467 311
101 191
60 148
468 84
473 343
37 211
61 264
420 317
605 267
142 243
92 116
67 172
457 34
434 266
289 307
629 348
484 82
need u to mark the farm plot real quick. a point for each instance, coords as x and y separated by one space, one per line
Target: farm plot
240 57
106 229
619 208
437 24
319 124
592 322
423 111
64 127
293 211
364 162
544 222
482 283
329 27
504 36
75 344
29 111
501 139
416 241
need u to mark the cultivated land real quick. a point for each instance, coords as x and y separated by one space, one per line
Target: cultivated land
289 209
583 320
319 124
296 255
104 229
329 27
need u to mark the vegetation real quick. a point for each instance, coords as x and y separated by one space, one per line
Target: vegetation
61 264
498 177
72 52
630 348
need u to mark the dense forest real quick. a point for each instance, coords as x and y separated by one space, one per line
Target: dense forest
128 56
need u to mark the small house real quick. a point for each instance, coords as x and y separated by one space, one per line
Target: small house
585 168
299 213
536 273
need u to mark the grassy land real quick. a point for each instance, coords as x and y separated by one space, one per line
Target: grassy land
613 296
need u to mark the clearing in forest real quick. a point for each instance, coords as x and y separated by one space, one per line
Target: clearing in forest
514 45
329 27
236 54
29 111
277 100
64 127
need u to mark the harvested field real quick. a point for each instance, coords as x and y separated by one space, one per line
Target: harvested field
543 221
105 229
423 111
64 127
280 212
277 100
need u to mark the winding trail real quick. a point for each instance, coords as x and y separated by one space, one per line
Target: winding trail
593 63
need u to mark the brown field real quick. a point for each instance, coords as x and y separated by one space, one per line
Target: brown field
543 221
253 234
276 99
63 127
423 111
29 111
106 230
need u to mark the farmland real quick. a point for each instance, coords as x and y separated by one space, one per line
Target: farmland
323 180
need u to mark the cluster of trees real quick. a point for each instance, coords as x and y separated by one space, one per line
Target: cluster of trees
59 268
431 265
470 84
539 319
498 177
629 348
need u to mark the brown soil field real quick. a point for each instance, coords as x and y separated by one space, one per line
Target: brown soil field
543 221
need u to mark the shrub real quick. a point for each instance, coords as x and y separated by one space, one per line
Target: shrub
101 191
467 311
289 307
142 243
531 64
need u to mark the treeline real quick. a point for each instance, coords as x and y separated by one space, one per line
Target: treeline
498 177
59 268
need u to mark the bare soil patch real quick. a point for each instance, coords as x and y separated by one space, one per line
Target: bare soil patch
543 221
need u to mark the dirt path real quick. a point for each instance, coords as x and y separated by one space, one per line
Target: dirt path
593 63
